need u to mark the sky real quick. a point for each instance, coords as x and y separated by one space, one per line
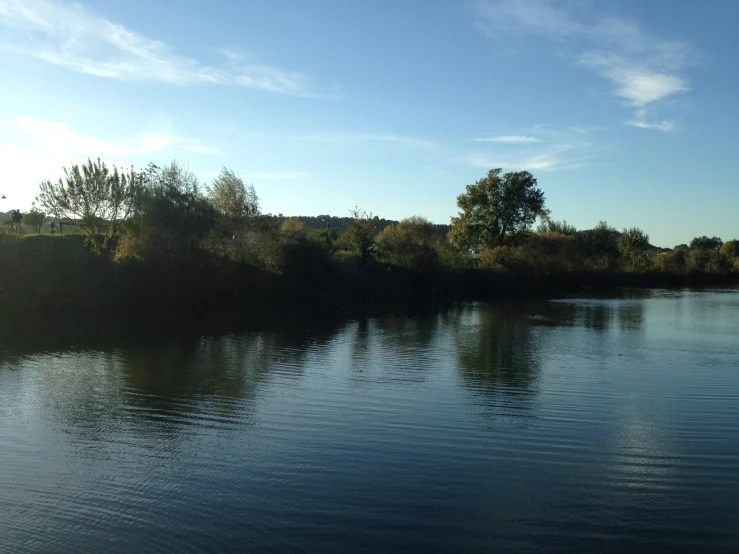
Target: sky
625 111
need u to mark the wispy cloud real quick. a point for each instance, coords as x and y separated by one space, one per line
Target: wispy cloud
71 36
561 150
643 67
279 175
641 123
405 140
200 149
508 139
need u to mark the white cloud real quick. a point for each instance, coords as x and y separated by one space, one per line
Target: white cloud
56 137
635 84
200 149
509 139
644 67
69 35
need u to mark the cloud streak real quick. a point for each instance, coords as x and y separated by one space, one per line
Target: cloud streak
70 36
643 67
561 151
404 140
279 175
509 139
200 149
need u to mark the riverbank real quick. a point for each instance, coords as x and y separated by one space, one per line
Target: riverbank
57 274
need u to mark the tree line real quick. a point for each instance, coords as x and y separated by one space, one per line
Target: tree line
163 213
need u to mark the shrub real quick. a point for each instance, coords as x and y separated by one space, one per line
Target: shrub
411 243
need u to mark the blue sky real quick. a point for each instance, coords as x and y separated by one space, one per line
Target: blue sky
625 111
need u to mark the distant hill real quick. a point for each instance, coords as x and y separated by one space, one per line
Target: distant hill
340 224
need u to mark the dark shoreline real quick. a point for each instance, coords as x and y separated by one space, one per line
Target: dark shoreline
59 278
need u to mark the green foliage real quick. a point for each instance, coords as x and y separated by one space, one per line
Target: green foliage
34 219
233 198
172 217
549 225
542 254
239 219
412 243
359 238
601 244
708 261
632 246
672 262
730 249
706 243
496 210
682 247
327 237
99 199
452 258
339 224
293 229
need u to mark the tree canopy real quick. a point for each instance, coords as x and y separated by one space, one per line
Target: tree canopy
171 218
98 198
497 210
706 243
632 245
232 197
359 238
35 219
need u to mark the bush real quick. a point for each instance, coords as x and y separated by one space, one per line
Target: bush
359 238
672 262
412 243
709 261
542 254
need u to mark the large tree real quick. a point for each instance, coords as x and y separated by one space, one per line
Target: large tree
97 198
172 218
240 220
706 243
497 210
232 197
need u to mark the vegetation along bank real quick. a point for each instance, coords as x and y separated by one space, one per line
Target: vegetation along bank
159 239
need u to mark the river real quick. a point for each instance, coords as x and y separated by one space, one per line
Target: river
585 424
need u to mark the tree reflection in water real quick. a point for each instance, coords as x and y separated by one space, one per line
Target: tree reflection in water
497 353
160 377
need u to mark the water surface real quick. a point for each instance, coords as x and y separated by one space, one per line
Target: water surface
580 425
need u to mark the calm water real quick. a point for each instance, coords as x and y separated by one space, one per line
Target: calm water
584 425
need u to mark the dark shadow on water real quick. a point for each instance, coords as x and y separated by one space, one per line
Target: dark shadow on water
155 377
